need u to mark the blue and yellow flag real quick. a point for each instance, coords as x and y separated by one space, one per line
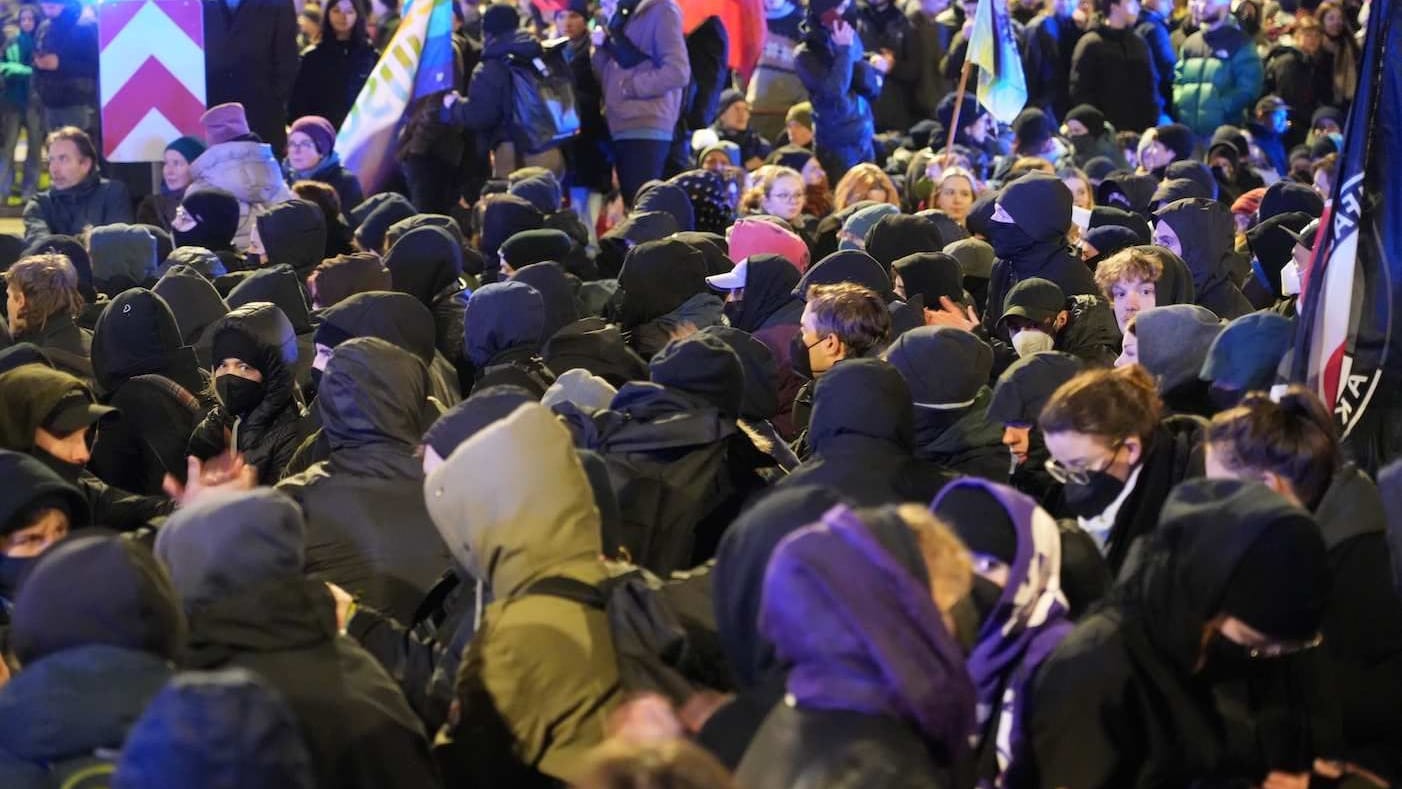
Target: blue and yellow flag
418 62
1002 88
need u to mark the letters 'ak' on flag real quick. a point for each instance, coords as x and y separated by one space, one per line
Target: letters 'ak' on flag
1349 334
418 62
1002 88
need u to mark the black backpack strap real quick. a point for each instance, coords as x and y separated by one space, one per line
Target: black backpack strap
570 589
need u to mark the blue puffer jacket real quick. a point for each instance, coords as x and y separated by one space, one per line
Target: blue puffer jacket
841 84
1217 78
66 705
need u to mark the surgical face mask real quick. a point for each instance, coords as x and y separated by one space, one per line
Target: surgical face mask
1290 279
1030 341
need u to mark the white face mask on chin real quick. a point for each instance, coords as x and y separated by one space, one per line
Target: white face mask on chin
1290 279
1030 341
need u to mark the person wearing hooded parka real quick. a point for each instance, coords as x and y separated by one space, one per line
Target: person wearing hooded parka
260 413
1028 234
94 653
236 560
196 305
1022 612
372 401
877 691
504 324
426 263
1202 668
540 676
293 233
52 416
1202 232
145 370
662 289
279 285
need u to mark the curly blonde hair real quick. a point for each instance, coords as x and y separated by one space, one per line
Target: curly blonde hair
860 180
49 284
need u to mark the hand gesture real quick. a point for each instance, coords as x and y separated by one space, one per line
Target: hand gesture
952 314
223 472
343 605
842 34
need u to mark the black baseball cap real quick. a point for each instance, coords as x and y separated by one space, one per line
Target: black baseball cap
75 411
1036 299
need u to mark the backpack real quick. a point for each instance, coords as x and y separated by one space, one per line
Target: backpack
543 109
653 647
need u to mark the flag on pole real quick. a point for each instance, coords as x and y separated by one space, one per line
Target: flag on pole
1002 88
418 62
1349 336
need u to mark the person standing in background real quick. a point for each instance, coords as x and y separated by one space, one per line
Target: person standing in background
251 58
640 57
775 86
333 72
19 107
65 67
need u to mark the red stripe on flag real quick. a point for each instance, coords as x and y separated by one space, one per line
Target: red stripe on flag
151 87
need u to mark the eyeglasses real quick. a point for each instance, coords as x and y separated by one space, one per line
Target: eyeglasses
1067 475
787 197
301 146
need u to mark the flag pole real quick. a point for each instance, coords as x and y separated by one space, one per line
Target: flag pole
958 106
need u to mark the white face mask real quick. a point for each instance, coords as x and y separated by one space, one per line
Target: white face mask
1290 279
1030 341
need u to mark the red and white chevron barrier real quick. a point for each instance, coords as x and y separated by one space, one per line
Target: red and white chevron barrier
150 75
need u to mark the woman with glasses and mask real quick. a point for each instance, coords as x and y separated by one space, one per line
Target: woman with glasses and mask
1202 668
1289 444
1115 456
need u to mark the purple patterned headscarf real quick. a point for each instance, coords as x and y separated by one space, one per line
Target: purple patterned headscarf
862 634
1029 620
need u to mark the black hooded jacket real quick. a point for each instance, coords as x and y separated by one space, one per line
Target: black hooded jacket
863 438
1122 702
195 304
402 321
145 371
372 400
658 277
1206 233
598 346
294 233
426 263
502 337
1034 245
556 290
236 563
271 433
737 584
280 285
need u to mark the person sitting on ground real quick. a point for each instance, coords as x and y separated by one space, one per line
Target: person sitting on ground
78 196
159 209
43 303
240 163
1127 280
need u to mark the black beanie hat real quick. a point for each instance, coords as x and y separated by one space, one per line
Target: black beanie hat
1279 585
535 246
1177 138
1089 116
703 366
1033 128
231 343
982 523
134 607
500 19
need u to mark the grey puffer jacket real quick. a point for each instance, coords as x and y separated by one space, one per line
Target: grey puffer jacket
246 169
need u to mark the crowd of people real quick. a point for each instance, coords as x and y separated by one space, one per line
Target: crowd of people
747 435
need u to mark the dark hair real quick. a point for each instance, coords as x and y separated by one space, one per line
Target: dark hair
358 35
1292 437
856 315
78 137
1116 403
325 197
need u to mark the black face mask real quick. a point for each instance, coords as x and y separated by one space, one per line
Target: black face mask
239 395
798 358
1091 498
12 571
985 595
